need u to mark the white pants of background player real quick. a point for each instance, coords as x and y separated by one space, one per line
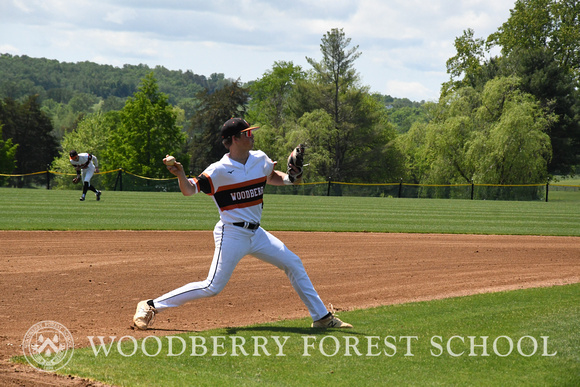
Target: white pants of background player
232 243
87 173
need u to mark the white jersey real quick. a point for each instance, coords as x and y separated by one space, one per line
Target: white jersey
85 160
237 189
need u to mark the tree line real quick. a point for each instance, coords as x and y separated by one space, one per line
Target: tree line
512 118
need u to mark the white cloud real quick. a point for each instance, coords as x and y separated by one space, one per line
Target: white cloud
402 89
120 16
404 43
22 6
8 48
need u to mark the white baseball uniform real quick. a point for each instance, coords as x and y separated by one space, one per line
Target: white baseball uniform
238 190
87 164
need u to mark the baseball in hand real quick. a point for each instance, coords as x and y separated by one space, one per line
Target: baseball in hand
169 160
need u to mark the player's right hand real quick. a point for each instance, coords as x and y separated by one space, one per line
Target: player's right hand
176 169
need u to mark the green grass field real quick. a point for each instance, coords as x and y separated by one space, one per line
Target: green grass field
544 322
38 209
520 338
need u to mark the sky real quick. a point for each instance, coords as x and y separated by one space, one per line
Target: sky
404 44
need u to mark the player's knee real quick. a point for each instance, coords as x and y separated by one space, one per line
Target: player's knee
212 288
213 291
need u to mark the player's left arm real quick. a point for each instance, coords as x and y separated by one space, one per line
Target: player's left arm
276 178
280 178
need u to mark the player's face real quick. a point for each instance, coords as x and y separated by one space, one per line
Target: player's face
247 140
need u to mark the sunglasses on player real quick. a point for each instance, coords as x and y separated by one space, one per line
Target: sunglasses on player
248 132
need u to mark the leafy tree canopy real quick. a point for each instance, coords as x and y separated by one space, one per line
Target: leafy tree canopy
147 132
540 45
31 129
494 136
204 141
7 155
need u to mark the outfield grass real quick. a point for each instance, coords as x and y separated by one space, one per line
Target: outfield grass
423 343
37 209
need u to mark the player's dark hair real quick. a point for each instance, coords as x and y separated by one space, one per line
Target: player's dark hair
227 142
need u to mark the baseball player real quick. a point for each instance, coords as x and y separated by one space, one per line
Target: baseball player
236 183
86 165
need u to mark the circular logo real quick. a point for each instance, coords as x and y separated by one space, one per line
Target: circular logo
48 346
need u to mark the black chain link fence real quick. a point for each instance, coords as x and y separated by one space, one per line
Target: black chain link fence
120 180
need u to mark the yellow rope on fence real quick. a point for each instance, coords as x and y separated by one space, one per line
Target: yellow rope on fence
313 183
24 174
369 184
149 178
510 185
436 185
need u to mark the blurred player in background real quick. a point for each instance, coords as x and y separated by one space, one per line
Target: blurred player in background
86 165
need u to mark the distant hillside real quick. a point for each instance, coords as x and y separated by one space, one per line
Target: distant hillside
67 90
21 76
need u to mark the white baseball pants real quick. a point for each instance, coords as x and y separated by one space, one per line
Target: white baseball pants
88 173
232 243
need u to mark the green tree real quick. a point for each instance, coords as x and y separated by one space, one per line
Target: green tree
554 87
467 63
416 154
496 136
513 147
550 24
403 118
270 107
336 70
540 44
335 89
7 155
371 155
62 116
31 129
215 109
271 94
148 132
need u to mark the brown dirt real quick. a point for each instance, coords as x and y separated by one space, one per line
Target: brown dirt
91 281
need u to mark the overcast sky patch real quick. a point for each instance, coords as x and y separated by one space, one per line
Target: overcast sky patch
404 43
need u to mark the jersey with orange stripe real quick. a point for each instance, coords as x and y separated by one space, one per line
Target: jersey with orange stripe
237 189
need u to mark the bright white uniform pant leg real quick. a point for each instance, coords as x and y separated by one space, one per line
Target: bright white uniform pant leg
87 173
270 249
232 243
230 248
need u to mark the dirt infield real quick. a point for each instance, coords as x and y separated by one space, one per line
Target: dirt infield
91 281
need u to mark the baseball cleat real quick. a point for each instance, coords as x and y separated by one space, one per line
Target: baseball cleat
330 321
144 315
82 199
98 195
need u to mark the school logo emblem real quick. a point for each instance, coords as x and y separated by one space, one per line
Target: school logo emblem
48 346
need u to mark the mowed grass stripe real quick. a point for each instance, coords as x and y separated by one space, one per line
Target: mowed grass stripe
38 209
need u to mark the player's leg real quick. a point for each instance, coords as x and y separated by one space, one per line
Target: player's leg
270 249
230 247
87 176
85 183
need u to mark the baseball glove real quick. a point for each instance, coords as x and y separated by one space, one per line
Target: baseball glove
296 160
76 179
